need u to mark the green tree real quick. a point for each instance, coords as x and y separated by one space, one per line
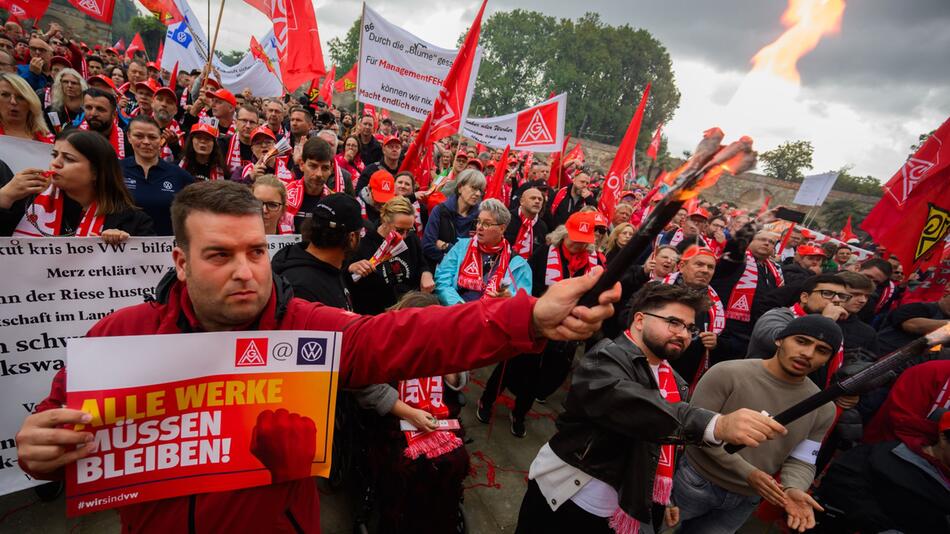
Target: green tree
787 161
835 213
345 52
152 32
122 17
849 183
920 141
231 57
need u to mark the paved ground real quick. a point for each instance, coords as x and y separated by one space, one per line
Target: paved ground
492 499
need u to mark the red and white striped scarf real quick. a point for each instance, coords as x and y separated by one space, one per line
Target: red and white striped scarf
740 301
838 358
44 217
885 296
280 170
426 394
621 522
167 154
524 241
717 315
470 274
116 136
233 158
554 272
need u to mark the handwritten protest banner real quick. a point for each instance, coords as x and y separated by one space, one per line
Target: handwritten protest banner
55 289
179 414
400 72
538 129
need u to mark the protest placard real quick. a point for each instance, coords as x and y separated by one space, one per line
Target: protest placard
400 72
538 129
187 413
55 289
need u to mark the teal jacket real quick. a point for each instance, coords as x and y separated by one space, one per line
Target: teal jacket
446 275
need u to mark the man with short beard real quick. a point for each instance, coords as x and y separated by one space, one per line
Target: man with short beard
99 115
274 114
569 199
317 165
237 146
611 462
717 491
372 150
527 230
164 110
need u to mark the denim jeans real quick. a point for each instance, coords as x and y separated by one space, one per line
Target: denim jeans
706 508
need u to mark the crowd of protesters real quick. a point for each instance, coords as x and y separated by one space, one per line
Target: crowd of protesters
728 318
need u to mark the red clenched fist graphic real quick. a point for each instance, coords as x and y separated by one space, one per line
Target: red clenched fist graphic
285 443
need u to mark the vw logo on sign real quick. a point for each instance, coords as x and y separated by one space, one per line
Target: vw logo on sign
311 351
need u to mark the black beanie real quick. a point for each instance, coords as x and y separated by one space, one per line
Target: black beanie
816 326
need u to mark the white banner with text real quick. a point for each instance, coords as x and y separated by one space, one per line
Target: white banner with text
538 129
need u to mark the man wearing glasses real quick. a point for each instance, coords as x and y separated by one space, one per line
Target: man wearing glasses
611 462
823 294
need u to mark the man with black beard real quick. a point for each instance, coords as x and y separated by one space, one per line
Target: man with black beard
99 115
164 110
611 462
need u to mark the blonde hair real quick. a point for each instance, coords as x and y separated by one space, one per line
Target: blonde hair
272 181
396 206
58 98
615 234
34 117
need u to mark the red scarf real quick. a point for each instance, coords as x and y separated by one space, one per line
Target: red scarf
116 136
838 358
717 322
621 522
524 242
295 193
354 168
45 217
740 301
582 261
233 157
885 296
167 154
426 394
280 170
470 274
558 198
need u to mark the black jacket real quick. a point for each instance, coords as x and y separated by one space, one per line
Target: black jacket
787 295
392 279
312 279
615 421
133 221
540 230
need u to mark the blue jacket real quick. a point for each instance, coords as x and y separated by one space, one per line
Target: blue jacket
36 81
447 225
446 275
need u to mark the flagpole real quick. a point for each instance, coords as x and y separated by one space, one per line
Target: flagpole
214 42
209 28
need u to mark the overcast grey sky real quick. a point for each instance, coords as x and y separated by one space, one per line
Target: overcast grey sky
866 92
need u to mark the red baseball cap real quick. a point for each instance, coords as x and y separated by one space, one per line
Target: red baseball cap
391 139
152 65
382 186
149 84
223 94
699 212
580 227
476 162
104 79
810 250
169 91
61 60
265 131
600 219
944 423
696 250
461 152
205 128
212 82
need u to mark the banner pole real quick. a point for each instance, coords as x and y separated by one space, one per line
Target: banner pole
217 27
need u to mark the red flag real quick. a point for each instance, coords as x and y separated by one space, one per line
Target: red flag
576 154
313 92
613 183
120 44
258 52
765 206
369 109
654 147
554 175
298 39
164 10
326 92
97 9
347 82
173 79
26 9
495 186
161 50
913 217
847 232
931 159
135 45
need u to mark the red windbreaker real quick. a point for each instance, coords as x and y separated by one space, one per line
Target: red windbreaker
376 349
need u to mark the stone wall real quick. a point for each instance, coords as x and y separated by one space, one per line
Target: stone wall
75 22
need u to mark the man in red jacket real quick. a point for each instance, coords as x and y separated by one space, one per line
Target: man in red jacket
222 281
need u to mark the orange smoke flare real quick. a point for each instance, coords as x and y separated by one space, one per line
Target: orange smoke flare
807 22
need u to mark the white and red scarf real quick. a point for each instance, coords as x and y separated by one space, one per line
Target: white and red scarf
417 217
470 274
838 358
426 394
116 136
740 301
717 314
167 154
581 262
621 522
280 170
233 158
45 217
885 296
295 193
524 241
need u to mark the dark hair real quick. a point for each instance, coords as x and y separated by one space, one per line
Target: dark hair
415 299
316 149
250 109
841 246
221 197
856 281
95 92
880 264
111 194
189 157
144 119
140 62
359 144
97 59
321 235
301 109
827 278
655 295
